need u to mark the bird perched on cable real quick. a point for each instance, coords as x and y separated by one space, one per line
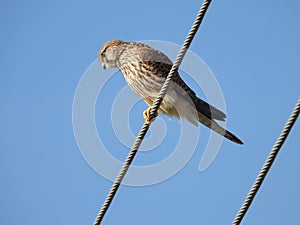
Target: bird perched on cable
145 70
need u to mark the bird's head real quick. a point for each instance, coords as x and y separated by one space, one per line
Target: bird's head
110 53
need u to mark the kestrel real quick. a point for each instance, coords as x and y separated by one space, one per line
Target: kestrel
145 70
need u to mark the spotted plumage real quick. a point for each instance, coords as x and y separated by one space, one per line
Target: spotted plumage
145 70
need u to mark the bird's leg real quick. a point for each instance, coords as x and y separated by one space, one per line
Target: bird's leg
146 115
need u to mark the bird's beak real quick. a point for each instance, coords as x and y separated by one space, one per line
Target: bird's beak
100 58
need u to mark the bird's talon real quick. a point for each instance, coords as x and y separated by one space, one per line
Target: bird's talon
147 117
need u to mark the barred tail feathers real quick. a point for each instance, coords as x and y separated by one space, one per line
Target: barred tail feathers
218 129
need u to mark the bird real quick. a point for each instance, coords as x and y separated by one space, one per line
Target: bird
145 70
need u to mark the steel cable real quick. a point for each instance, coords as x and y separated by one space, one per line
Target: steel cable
153 111
267 165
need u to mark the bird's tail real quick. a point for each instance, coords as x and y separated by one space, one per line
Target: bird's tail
210 123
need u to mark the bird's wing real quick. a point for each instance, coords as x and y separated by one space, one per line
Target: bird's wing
206 112
202 106
162 69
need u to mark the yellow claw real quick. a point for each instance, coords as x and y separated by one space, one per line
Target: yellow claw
146 115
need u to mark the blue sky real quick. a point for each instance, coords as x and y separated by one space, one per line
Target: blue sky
46 46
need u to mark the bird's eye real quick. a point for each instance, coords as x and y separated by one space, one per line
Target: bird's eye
101 53
104 51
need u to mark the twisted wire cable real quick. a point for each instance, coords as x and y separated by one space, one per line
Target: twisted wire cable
180 56
267 165
153 111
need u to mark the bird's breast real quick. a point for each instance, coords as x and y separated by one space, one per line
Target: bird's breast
144 83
